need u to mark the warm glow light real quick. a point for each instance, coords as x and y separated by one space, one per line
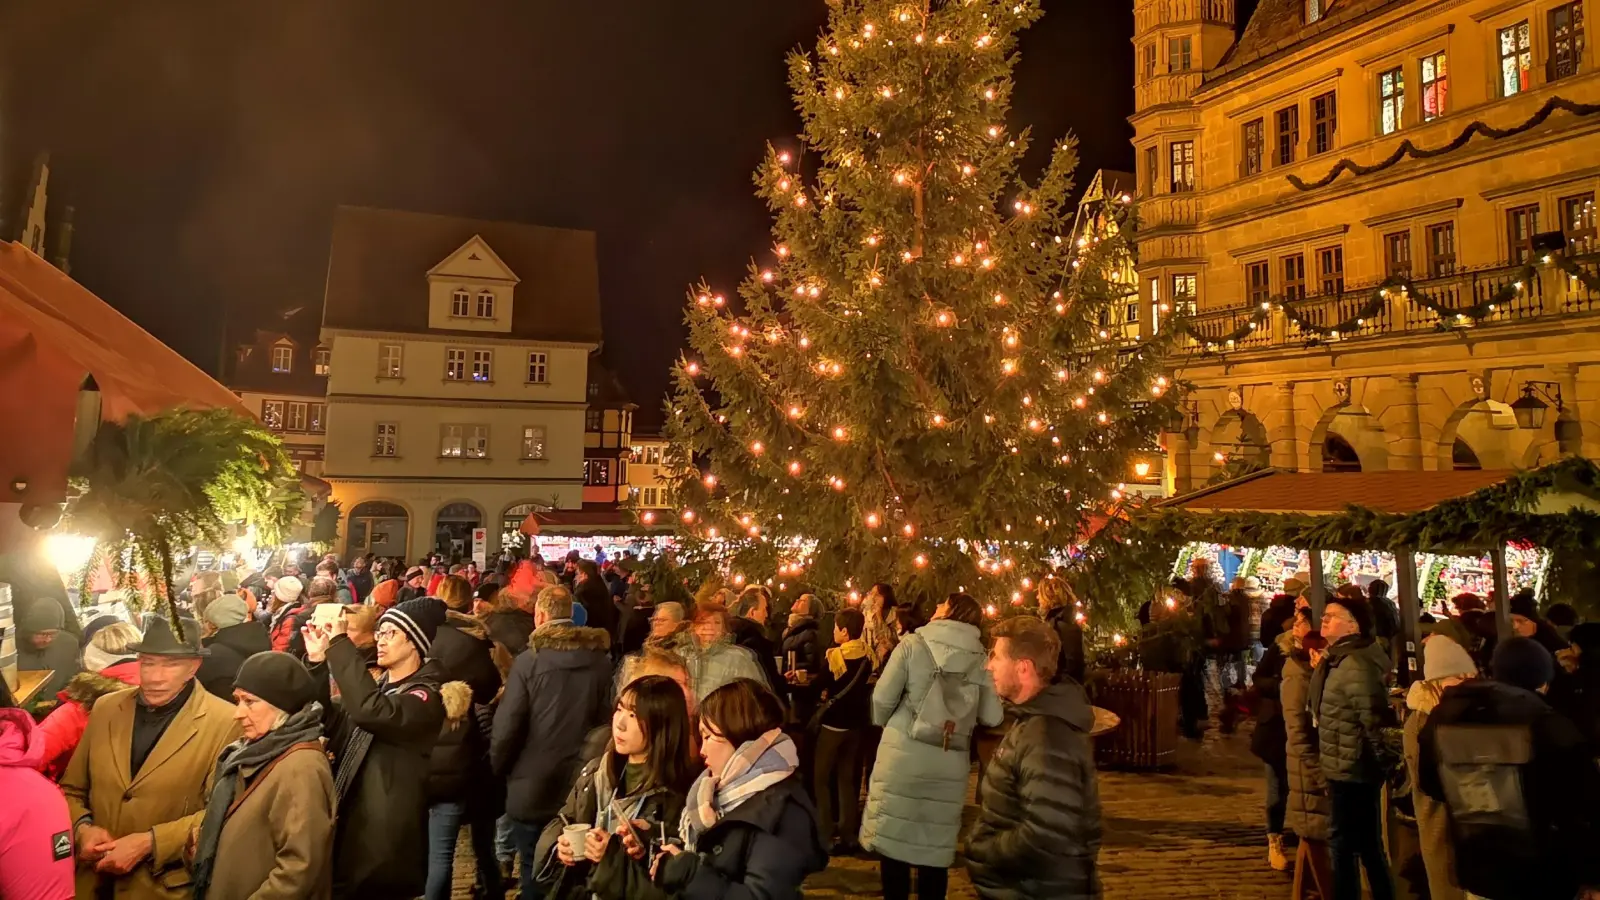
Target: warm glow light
872 240
794 468
767 276
944 319
784 157
1141 469
796 412
757 448
839 433
994 131
693 368
1009 367
710 480
938 420
688 515
783 250
872 520
1103 418
908 529
920 561
1035 425
648 517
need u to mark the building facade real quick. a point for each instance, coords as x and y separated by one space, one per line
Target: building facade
1380 214
283 379
647 474
458 379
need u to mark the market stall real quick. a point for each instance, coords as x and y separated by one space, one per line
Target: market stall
1505 525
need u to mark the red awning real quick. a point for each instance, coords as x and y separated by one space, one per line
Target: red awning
54 332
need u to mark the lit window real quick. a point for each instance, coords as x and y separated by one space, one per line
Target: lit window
1255 140
450 439
533 442
389 360
1259 278
461 303
485 305
1522 223
483 365
282 358
319 418
1184 293
597 472
272 414
538 368
297 417
1516 58
1315 10
1397 253
1577 221
1435 86
455 365
647 497
1182 153
320 359
385 439
1566 39
1391 100
477 443
592 420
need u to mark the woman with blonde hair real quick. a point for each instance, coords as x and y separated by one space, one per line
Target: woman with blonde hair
1058 607
110 664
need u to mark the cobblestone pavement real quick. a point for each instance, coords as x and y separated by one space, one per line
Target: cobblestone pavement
1192 833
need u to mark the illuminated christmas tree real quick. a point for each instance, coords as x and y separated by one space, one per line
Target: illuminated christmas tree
919 386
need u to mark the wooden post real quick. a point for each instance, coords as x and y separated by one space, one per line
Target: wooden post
1408 651
1319 591
1502 593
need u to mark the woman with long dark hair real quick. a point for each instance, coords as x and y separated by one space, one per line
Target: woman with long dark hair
748 827
636 789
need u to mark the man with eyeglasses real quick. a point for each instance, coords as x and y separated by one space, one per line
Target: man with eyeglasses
382 734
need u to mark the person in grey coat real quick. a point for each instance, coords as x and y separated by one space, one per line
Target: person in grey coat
1351 705
1307 814
917 789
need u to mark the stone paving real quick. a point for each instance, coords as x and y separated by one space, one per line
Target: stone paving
1192 833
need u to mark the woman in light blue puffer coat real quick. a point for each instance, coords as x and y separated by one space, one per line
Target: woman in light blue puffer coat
914 800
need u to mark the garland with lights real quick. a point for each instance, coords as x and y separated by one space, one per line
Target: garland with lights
1476 127
1449 316
913 385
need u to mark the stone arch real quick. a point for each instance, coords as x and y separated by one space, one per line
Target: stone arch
1241 437
1488 429
371 525
453 522
1355 425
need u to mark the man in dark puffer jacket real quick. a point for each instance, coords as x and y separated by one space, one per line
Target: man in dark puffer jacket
1038 829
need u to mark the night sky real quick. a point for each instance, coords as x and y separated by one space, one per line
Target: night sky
205 145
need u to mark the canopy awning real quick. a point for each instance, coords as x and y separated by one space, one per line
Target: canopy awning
1277 491
586 522
53 334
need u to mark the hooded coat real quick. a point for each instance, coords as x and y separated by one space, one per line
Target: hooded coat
557 691
459 770
1433 819
1351 704
752 635
462 648
230 647
35 832
1308 813
1529 785
1038 827
63 728
917 790
389 794
764 847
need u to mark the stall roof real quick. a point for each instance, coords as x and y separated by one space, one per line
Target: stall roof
1310 493
585 522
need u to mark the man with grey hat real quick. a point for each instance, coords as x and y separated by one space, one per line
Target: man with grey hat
233 636
136 785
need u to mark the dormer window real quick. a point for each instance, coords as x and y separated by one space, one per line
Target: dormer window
283 358
461 303
485 305
320 359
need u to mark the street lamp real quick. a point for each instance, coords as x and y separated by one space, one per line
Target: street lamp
1531 407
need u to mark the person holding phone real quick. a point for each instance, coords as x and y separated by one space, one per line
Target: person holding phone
631 797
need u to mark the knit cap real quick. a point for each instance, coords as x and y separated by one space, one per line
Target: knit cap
277 678
288 589
418 618
227 611
1444 658
43 614
1524 663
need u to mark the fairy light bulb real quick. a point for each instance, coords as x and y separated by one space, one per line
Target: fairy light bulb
873 520
959 259
736 350
1009 367
784 157
757 448
908 529
1027 399
887 92
988 262
836 483
783 249
795 467
999 299
994 131
872 240
920 561
693 368
783 184
1099 377
648 517
1035 425
938 420
901 178
688 515
1080 402
767 276
1011 340
839 433
1102 418
710 481
796 412
944 319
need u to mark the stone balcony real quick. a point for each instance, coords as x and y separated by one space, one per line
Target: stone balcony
1158 90
1155 15
1550 294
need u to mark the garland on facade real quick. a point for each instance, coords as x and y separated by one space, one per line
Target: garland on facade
1476 127
1566 264
1494 516
1449 316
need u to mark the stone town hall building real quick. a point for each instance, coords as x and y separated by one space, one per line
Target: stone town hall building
1440 146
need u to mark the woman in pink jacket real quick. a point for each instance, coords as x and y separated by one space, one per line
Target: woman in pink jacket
35 834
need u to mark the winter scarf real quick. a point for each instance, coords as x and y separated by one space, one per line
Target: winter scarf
304 726
754 767
839 657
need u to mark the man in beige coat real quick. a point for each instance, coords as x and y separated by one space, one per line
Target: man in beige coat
136 785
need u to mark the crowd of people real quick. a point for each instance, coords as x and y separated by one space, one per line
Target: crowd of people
1479 779
330 734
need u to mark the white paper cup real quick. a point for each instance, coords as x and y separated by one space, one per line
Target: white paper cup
574 836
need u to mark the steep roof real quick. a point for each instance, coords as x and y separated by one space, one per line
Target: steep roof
254 372
380 259
1279 25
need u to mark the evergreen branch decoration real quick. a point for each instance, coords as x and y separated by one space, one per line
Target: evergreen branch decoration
149 487
1570 266
1476 127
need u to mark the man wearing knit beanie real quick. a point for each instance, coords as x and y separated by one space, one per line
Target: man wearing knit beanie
1518 779
233 636
382 734
43 647
1445 665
